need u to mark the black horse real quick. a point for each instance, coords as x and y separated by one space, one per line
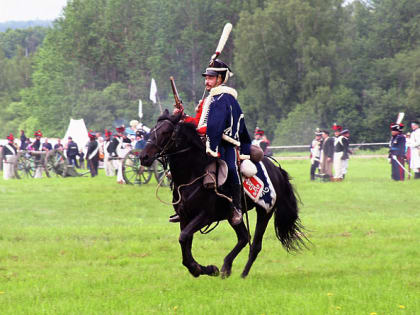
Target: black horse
181 146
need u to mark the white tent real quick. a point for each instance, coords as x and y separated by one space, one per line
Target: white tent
78 131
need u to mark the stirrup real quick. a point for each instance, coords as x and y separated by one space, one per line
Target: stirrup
174 218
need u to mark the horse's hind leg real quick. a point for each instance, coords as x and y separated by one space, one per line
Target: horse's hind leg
262 220
243 237
185 240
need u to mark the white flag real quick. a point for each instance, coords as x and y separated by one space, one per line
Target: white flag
153 91
140 109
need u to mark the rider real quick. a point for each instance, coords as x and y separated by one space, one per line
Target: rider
220 120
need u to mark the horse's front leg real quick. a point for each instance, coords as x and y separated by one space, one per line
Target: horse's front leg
185 240
243 238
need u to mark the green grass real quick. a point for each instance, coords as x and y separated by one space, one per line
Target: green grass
91 246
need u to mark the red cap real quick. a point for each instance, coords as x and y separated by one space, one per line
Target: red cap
10 137
91 135
120 128
108 133
336 127
38 133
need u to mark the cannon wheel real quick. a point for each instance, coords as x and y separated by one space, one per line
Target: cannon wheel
55 162
25 166
133 171
159 171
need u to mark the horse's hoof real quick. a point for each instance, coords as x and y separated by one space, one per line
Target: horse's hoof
244 275
214 271
225 273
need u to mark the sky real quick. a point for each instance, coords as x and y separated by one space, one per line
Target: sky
24 10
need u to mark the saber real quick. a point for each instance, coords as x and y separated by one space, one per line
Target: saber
394 157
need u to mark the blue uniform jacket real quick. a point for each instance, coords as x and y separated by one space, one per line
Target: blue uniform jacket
225 123
397 145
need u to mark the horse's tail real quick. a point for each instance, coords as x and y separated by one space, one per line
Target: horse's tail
289 229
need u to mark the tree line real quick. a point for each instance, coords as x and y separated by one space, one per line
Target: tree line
298 64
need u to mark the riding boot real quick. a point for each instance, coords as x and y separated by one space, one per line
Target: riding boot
237 204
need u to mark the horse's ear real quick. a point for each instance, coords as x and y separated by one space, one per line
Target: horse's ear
164 115
177 117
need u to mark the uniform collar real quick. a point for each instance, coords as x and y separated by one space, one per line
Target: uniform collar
221 89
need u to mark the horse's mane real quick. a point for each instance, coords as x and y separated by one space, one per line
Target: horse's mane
187 133
188 130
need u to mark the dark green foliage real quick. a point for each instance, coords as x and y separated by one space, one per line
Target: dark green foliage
298 64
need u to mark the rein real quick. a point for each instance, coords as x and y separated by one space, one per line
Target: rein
164 154
186 185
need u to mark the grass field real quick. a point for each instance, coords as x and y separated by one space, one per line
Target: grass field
91 246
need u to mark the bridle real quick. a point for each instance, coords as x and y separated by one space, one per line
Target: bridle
164 152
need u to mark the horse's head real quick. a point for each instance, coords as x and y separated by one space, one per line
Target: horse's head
161 138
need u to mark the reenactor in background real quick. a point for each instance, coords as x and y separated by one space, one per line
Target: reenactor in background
36 146
46 146
118 151
9 154
327 155
407 150
397 152
337 130
258 134
58 146
72 150
1 157
315 153
109 167
261 140
82 159
140 140
341 155
92 154
23 140
415 149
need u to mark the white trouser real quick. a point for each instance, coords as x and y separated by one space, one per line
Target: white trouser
121 153
38 170
344 166
415 159
338 165
9 167
109 167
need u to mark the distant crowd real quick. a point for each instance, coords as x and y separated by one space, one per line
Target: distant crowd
105 149
330 155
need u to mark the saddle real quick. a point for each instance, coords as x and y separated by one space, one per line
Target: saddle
218 170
